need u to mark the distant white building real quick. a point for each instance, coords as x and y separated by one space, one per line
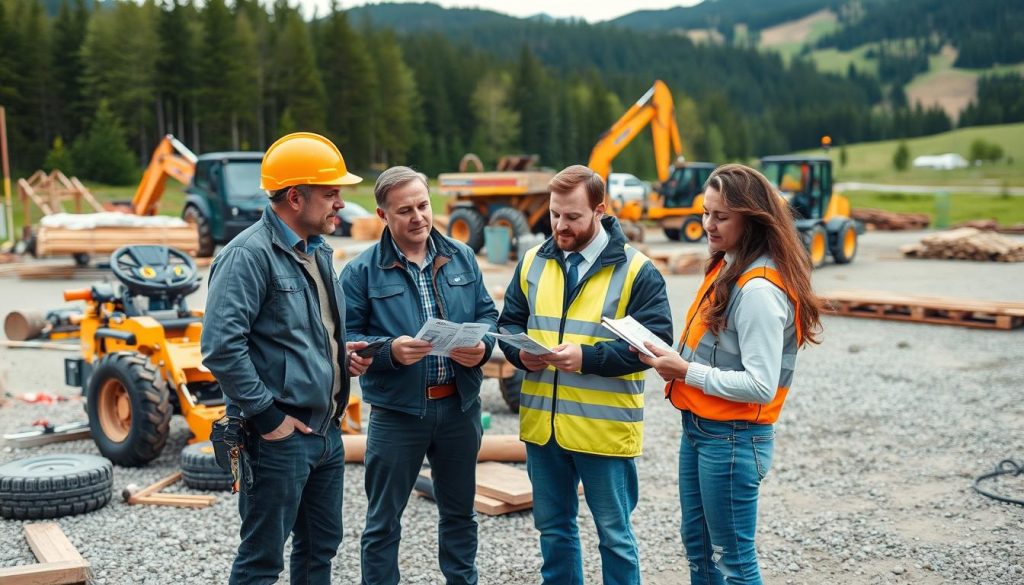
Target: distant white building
941 162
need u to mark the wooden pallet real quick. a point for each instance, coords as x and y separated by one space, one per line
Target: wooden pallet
59 560
925 309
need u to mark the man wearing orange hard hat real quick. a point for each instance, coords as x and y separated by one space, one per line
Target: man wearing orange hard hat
275 340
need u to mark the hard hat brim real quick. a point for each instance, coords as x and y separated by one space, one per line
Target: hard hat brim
346 179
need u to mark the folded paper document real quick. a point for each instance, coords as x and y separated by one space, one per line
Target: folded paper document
630 330
522 341
446 336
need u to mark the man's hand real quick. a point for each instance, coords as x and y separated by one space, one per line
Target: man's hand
532 362
468 356
288 426
407 351
567 357
669 364
357 366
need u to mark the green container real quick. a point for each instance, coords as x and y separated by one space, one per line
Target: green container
485 420
942 208
498 243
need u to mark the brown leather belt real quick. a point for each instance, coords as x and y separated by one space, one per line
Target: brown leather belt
442 391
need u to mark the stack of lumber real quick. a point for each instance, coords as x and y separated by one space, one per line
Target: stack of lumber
991 225
974 313
878 219
367 228
500 488
51 241
967 244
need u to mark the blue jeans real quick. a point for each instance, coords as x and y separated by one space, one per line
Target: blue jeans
291 485
395 446
721 465
611 488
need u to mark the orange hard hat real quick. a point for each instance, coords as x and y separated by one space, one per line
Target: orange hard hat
303 158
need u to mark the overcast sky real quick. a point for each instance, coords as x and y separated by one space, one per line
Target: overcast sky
590 10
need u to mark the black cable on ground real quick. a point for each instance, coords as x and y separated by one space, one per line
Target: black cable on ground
1005 467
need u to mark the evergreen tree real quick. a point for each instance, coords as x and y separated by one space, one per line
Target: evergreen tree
901 158
397 98
68 35
350 85
121 68
298 86
101 154
59 158
497 124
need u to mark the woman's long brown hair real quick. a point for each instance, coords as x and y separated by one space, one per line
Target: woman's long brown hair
769 230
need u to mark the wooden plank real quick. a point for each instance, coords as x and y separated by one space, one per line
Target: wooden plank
483 504
155 487
50 544
38 436
504 482
179 501
59 573
495 507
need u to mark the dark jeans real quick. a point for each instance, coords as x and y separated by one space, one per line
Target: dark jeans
395 446
612 489
721 465
295 486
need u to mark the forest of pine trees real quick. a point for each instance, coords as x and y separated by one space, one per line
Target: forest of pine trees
236 74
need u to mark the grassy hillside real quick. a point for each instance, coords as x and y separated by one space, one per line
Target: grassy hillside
873 161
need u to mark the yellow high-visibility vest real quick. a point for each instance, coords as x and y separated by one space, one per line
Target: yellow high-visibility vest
586 413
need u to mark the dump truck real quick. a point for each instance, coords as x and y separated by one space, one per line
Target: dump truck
514 196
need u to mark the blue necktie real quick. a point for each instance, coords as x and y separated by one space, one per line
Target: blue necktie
573 277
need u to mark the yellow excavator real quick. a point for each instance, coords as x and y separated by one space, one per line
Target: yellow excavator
678 203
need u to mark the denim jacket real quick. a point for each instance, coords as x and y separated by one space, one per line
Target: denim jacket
383 303
263 336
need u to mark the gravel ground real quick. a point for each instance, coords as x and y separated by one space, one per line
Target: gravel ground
885 428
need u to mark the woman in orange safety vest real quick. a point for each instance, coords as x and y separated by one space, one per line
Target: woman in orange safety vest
731 375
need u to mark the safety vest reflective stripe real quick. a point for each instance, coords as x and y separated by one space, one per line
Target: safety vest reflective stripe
586 413
700 345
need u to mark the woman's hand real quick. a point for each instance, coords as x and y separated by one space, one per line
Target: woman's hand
669 364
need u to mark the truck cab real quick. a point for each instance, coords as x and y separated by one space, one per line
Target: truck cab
224 196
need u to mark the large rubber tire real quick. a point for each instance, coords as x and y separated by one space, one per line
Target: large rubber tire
191 214
129 409
816 243
199 469
844 245
51 486
515 221
673 234
510 389
467 226
693 229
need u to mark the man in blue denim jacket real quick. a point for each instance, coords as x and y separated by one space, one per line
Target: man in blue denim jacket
274 337
422 405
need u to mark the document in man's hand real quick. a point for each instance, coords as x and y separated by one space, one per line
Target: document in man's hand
522 341
630 330
446 335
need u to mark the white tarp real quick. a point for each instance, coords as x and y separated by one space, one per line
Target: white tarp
88 221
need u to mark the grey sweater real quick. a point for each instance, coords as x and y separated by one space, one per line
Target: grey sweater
757 326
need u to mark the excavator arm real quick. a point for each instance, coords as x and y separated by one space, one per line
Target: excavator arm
170 158
654 107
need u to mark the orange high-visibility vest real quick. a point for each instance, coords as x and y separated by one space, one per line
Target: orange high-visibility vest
698 344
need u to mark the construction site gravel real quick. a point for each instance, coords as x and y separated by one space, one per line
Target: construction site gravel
885 429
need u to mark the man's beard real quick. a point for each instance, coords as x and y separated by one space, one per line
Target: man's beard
580 240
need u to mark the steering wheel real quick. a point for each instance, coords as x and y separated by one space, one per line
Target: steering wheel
155 270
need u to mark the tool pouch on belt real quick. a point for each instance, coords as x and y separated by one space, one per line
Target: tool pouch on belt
228 437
